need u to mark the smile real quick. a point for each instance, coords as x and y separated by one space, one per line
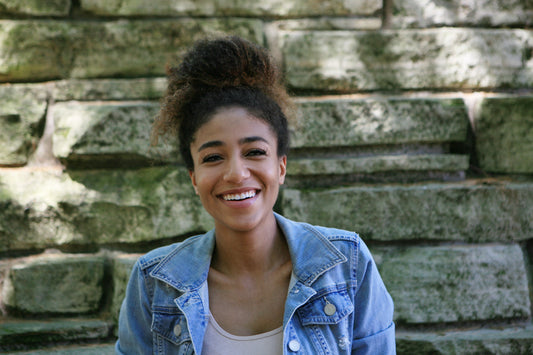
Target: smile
239 197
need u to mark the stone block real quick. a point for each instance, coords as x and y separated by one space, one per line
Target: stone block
347 122
17 334
35 7
449 284
504 134
42 208
377 164
39 50
512 340
21 114
55 284
442 58
471 211
120 130
268 8
109 89
122 266
475 13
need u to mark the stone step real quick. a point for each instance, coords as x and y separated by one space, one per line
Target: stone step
97 349
54 284
48 208
41 50
27 334
453 58
452 284
266 8
470 211
507 340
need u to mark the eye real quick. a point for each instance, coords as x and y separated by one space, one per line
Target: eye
255 152
211 158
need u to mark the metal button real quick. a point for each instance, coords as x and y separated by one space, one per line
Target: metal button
330 309
177 330
294 345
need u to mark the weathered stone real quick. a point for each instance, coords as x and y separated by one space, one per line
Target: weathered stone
432 13
38 50
15 334
455 283
122 265
35 7
453 58
504 135
517 341
109 89
55 284
103 128
469 211
97 349
376 164
269 8
345 122
22 110
42 209
324 23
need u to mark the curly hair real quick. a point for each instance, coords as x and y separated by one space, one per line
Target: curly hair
218 73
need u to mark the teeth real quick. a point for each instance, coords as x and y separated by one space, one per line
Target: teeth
237 197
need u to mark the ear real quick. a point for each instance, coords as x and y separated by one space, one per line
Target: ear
282 169
193 180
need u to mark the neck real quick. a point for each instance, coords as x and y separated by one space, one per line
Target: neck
258 251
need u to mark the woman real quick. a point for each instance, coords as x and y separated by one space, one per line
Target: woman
258 283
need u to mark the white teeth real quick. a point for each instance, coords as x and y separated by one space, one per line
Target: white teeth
237 197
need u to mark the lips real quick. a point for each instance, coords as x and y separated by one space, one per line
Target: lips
239 196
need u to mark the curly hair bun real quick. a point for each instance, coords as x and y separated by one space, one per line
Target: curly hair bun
229 61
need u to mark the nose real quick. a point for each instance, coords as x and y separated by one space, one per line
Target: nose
236 170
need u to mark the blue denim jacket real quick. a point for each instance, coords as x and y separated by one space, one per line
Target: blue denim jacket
338 303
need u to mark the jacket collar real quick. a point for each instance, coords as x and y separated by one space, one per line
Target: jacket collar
186 266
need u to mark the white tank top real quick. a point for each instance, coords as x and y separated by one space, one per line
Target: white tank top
219 342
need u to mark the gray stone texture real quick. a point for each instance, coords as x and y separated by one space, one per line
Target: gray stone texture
55 284
378 164
35 7
471 212
118 129
513 340
122 266
35 333
443 58
268 8
45 209
346 122
448 284
109 89
22 110
504 135
486 13
39 50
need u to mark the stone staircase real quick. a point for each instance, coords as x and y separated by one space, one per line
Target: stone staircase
414 127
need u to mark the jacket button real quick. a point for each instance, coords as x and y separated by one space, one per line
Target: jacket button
330 309
177 330
294 345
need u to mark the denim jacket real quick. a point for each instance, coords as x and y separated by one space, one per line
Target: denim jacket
338 303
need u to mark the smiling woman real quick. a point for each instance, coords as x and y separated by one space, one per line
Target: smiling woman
257 283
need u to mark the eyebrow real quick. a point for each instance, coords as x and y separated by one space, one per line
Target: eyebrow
241 141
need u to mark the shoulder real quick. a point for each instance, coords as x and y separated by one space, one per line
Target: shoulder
155 256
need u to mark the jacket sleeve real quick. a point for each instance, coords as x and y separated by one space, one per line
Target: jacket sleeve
135 319
374 331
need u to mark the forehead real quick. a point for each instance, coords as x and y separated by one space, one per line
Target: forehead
233 122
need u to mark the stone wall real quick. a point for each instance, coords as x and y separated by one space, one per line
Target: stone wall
414 128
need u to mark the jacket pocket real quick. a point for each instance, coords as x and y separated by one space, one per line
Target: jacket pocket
328 308
172 326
